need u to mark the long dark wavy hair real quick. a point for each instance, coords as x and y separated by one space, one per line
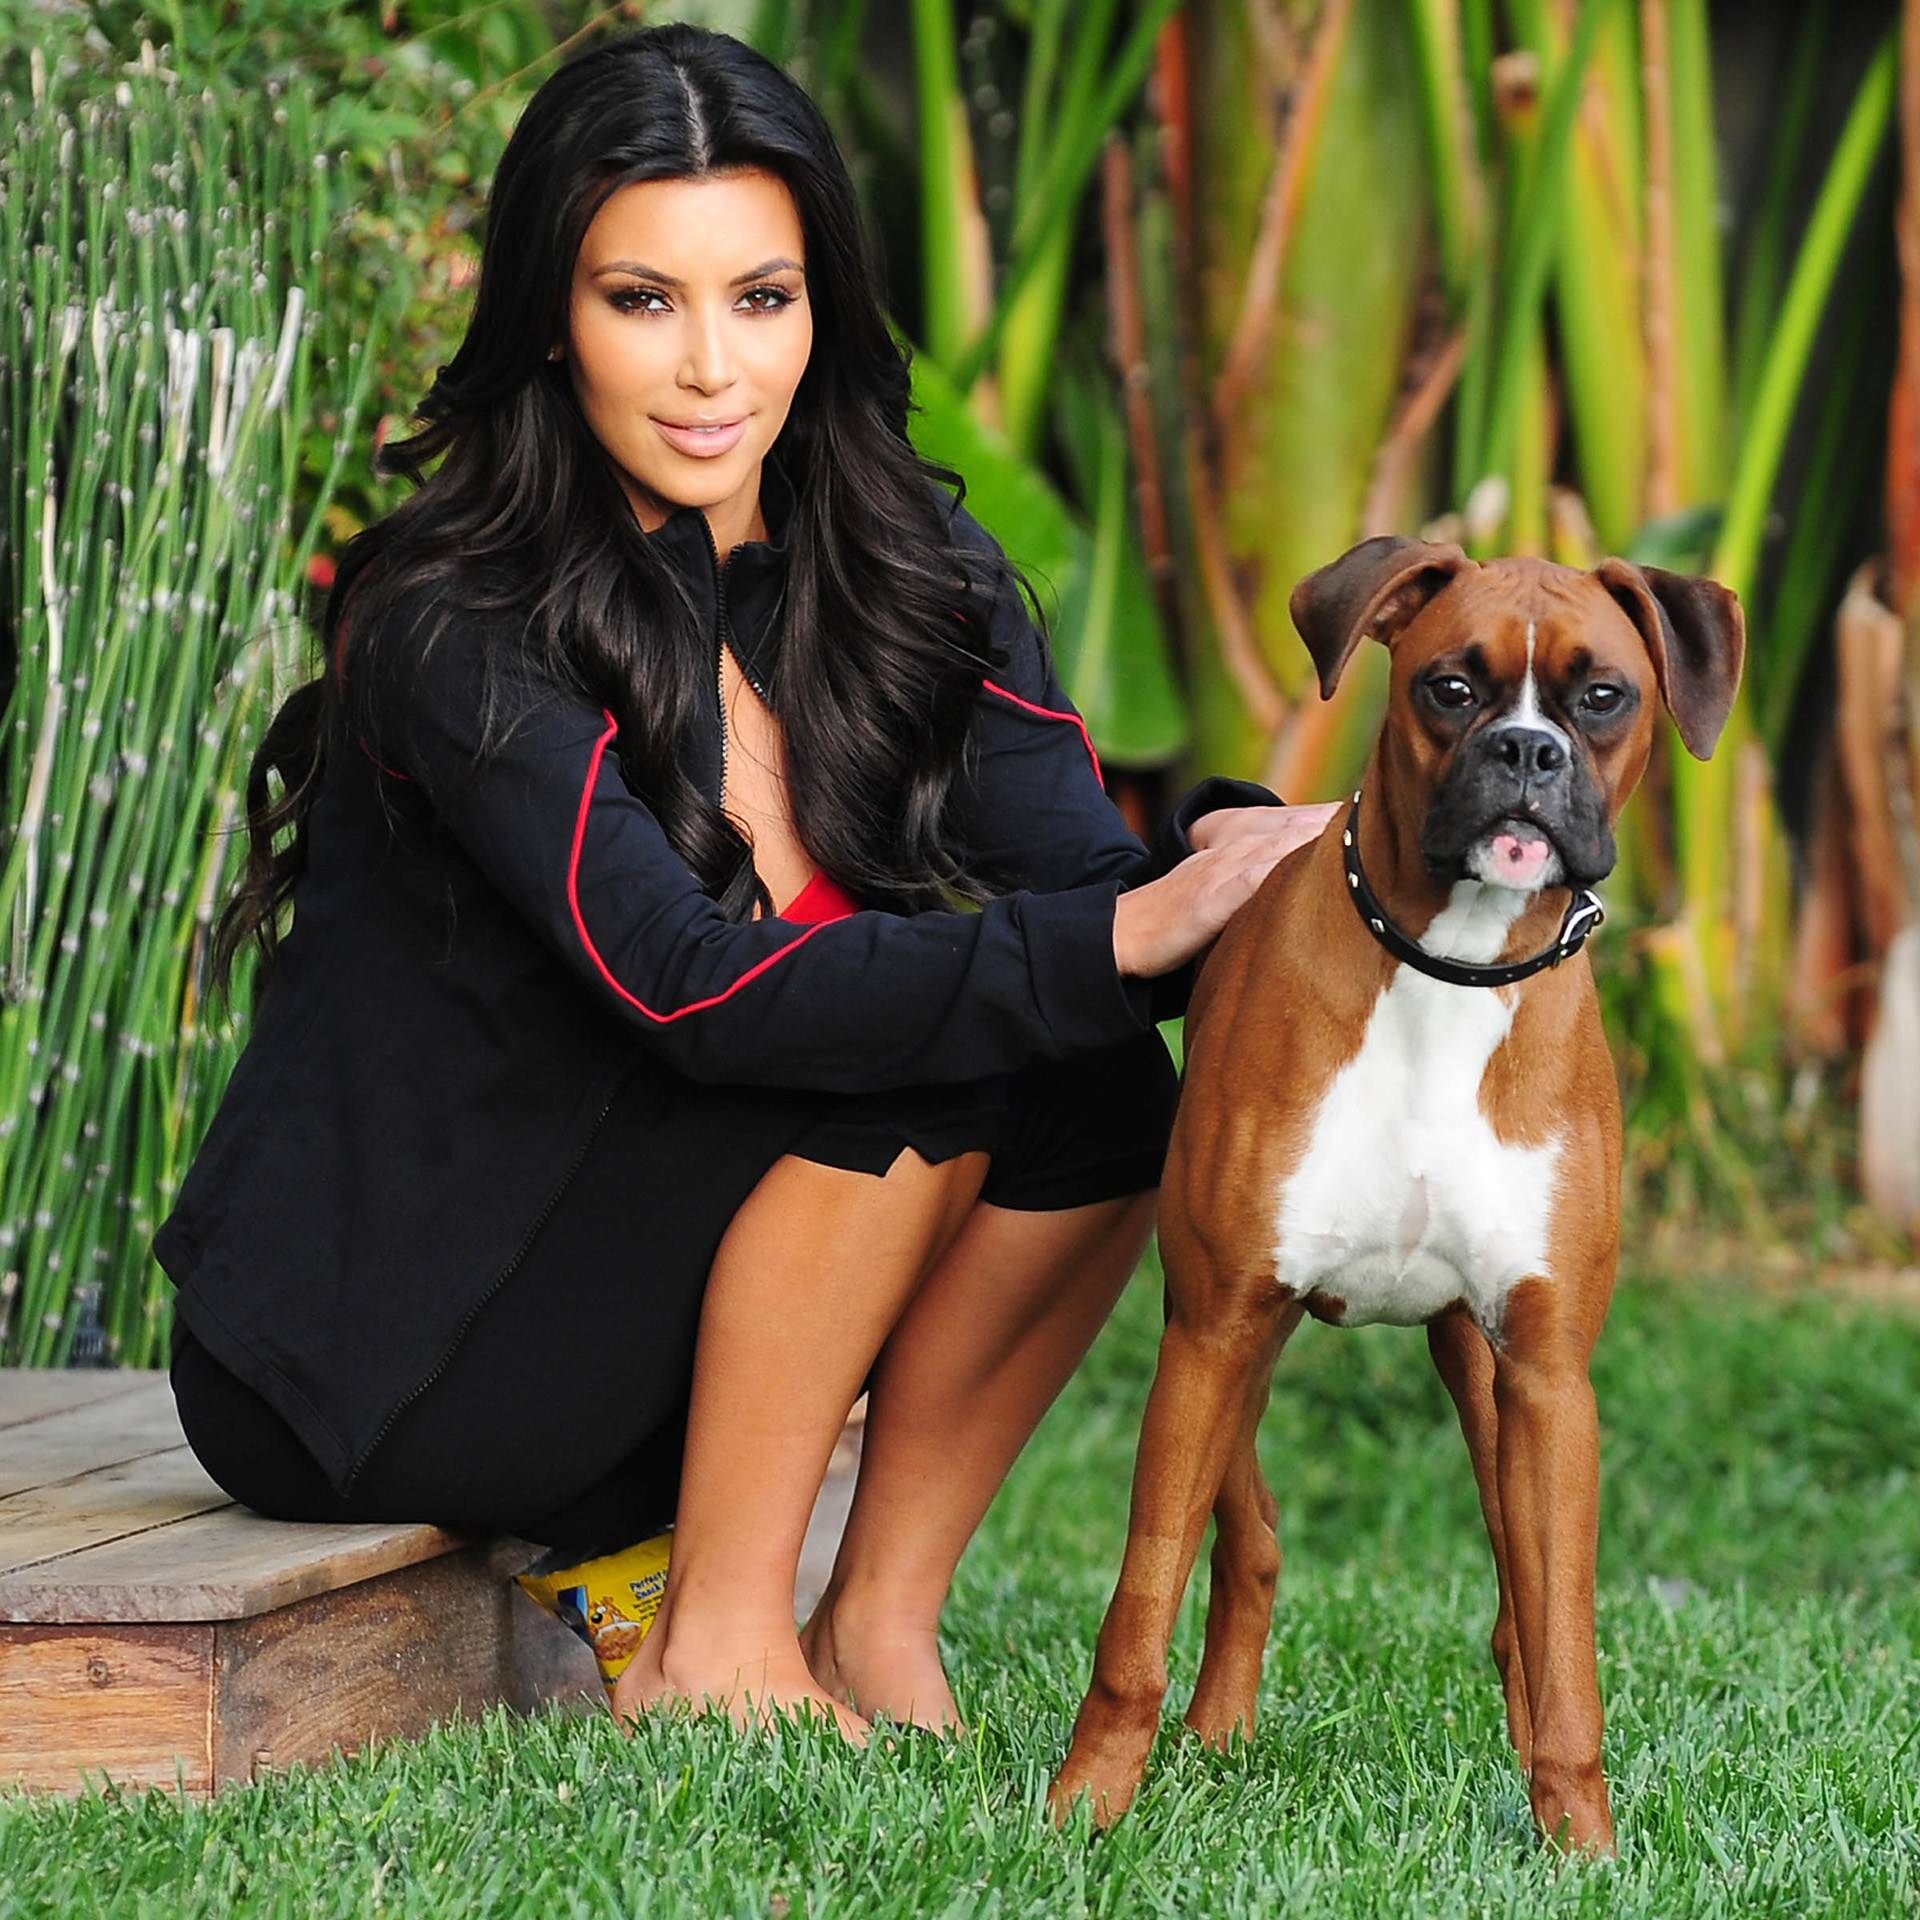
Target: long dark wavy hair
877 680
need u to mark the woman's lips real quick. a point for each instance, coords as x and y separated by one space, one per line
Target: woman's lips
704 443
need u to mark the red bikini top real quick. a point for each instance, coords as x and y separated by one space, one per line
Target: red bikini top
822 898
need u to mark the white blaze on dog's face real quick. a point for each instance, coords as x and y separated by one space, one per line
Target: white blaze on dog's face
1517 854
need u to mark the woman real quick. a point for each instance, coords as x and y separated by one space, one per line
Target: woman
718 981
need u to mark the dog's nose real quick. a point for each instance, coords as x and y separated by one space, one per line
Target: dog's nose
1528 750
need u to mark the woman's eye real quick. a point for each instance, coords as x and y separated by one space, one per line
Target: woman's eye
1449 690
628 299
1601 698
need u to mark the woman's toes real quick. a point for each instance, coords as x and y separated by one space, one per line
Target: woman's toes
879 1671
753 1688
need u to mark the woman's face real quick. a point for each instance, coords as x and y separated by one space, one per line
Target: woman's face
690 329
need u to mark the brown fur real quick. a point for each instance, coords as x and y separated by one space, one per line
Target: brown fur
1280 1006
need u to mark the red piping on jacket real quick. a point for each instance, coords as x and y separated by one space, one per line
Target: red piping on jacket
580 925
382 765
1047 713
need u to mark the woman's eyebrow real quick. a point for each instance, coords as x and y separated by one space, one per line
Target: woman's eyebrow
668 280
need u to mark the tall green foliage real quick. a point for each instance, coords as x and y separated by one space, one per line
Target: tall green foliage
1006 388
162 355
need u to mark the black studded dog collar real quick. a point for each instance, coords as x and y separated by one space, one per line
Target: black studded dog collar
1584 913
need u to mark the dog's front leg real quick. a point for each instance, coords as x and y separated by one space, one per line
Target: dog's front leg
1465 1364
1549 1466
1194 1417
1246 1569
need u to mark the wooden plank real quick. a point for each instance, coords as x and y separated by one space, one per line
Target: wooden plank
232 1699
102 1434
31 1393
145 1702
114 1503
132 1702
214 1566
384 1660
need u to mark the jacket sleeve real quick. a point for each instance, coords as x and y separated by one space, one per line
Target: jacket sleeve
1042 815
866 1001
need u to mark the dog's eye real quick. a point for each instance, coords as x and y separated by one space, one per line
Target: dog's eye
1601 698
1449 690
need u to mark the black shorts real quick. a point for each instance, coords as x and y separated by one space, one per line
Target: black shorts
1061 1133
560 1415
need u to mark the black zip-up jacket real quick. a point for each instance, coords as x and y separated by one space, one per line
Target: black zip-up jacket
465 983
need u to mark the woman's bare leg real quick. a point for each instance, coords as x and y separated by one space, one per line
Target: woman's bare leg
812 1274
979 1355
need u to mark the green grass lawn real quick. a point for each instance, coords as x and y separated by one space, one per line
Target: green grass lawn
1758 1624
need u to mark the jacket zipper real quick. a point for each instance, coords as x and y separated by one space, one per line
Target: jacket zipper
473 1312
720 625
720 700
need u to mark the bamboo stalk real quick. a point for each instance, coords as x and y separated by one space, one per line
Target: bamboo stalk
1030 336
1250 342
1663 492
1391 486
1128 345
1239 645
1534 231
1736 557
169 367
1903 434
1704 809
1835 485
1458 191
949 202
1757 304
1066 177
1699 327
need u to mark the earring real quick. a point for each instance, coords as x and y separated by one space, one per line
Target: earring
553 353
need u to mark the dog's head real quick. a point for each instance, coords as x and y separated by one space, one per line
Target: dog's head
1524 693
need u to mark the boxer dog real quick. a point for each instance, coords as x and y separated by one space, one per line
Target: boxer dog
1398 1106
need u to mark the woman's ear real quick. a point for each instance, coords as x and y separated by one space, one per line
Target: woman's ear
1374 588
1696 633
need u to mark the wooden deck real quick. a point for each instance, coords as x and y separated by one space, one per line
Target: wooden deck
154 1632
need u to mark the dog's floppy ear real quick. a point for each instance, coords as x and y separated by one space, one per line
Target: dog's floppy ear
1375 588
1696 633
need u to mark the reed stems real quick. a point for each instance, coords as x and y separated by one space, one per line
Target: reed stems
164 357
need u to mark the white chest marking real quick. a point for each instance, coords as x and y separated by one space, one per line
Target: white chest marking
1405 1200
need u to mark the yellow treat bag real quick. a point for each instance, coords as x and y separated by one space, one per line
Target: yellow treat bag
610 1602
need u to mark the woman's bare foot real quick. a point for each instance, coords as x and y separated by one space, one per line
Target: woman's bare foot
754 1683
880 1668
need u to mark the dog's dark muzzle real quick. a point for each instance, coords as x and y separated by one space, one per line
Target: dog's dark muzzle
1519 773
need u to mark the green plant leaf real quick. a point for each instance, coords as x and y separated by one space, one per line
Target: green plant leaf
1109 647
1010 498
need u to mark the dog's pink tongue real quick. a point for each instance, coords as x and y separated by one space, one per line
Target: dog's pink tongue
1517 858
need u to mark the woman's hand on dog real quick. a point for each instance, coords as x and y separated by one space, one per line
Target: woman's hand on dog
1283 827
1163 924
